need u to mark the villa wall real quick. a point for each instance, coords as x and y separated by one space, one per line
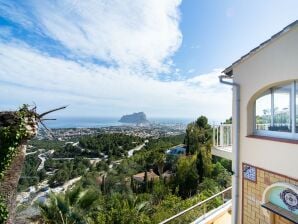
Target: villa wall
252 193
272 64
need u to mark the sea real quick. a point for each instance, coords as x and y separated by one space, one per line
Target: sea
99 122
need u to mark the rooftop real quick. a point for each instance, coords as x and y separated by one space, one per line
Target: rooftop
150 174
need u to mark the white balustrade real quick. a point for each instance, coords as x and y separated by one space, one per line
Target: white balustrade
222 135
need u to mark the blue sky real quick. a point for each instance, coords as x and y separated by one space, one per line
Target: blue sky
108 58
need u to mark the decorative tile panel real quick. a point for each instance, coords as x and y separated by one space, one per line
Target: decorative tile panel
250 173
254 182
290 198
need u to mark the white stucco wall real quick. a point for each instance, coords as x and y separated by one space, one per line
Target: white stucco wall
275 63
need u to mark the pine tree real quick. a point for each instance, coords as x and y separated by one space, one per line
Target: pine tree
200 166
103 187
146 181
132 184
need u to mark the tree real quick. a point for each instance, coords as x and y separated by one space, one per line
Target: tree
42 174
126 209
160 191
204 162
198 133
208 188
103 184
160 162
146 182
228 121
187 176
202 122
75 206
200 166
16 128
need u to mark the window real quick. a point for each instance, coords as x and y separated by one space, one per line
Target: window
281 109
276 112
263 112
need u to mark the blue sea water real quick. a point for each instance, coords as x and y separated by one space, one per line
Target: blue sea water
82 122
98 122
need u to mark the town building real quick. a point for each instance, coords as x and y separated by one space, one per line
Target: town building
151 176
177 150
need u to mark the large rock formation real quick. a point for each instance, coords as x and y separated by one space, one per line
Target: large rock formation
135 118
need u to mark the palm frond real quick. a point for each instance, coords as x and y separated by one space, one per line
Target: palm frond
73 195
88 198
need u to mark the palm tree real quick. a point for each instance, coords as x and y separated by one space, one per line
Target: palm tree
127 209
9 182
75 206
160 162
22 126
136 205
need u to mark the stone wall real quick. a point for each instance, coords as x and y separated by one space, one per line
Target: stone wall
252 212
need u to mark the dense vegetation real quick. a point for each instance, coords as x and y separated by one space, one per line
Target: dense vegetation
30 176
113 145
66 170
45 144
112 195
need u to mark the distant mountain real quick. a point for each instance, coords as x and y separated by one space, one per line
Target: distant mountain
135 118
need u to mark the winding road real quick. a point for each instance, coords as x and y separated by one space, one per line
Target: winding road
139 147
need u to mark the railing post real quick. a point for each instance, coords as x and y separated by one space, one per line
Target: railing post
214 136
217 136
221 133
223 198
226 135
230 133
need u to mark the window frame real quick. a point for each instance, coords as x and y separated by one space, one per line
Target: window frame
278 134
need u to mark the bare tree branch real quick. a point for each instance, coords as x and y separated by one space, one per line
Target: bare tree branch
48 119
50 111
48 130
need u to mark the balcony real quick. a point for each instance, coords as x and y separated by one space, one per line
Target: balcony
222 141
205 212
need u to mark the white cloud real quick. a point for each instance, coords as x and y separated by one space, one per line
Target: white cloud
192 70
133 34
14 10
137 38
207 81
50 81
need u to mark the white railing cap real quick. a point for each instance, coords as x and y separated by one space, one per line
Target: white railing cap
194 206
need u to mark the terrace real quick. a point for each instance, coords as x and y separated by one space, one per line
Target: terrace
222 141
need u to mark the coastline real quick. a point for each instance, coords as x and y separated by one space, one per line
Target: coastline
100 122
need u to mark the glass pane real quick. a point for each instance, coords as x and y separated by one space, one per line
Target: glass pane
296 107
263 112
282 112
